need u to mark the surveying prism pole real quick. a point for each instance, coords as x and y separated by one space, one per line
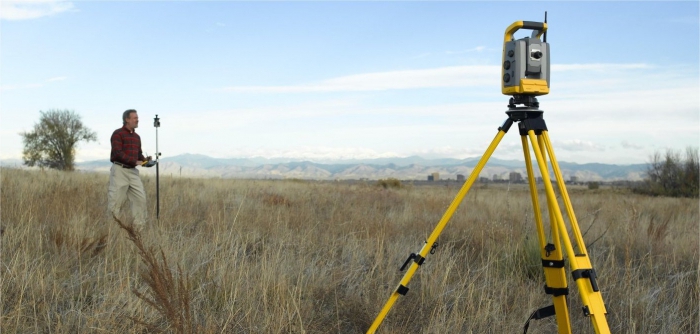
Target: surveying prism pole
526 75
156 124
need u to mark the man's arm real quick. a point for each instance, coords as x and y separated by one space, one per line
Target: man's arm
142 159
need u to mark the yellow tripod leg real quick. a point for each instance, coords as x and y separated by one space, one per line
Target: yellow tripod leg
564 194
418 258
581 266
552 257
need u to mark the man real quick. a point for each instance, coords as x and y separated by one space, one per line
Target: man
124 180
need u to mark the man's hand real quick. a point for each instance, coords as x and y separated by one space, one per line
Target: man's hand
148 159
148 163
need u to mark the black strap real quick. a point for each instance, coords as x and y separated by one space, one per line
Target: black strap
402 289
556 292
544 312
587 273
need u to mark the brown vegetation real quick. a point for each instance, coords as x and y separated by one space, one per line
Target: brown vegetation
672 174
250 256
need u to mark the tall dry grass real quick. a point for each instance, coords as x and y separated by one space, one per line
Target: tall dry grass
252 256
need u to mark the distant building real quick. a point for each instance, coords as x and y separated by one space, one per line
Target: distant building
515 177
496 178
430 178
460 178
484 179
539 179
436 176
574 179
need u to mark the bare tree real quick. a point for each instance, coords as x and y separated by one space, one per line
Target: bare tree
671 174
53 141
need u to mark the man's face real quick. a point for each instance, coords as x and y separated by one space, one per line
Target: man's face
133 121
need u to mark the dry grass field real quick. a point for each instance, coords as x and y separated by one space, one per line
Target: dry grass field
247 256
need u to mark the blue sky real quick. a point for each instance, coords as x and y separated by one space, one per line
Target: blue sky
340 80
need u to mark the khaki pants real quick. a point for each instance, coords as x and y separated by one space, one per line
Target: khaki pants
125 183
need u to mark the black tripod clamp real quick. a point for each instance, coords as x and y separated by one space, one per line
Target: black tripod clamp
417 258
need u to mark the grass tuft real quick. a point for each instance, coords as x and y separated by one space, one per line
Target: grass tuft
168 294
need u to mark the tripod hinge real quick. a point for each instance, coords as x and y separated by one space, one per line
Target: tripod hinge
417 258
556 292
587 273
553 263
506 125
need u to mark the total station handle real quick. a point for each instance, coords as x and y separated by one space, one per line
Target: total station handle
538 27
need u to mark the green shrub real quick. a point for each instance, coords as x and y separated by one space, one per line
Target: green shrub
593 185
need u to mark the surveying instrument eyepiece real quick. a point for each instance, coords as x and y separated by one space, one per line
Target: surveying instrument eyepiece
525 75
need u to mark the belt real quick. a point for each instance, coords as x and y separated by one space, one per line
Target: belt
123 165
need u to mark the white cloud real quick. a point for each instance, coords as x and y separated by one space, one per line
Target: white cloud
474 49
456 76
579 145
422 55
605 68
13 87
626 144
312 153
56 79
453 76
15 10
32 85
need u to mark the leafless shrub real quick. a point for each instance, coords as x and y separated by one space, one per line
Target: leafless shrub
168 294
673 175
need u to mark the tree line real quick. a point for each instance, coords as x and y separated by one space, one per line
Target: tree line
672 174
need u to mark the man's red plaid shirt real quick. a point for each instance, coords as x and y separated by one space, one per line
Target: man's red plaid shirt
126 147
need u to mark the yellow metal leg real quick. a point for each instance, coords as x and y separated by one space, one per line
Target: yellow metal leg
580 263
564 194
552 257
552 254
581 266
402 288
533 194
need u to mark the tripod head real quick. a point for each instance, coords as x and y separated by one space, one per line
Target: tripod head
525 71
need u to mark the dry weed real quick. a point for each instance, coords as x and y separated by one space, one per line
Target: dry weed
258 256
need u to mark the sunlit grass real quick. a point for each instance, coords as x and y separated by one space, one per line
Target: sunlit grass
322 257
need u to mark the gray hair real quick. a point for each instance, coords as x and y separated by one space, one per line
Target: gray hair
126 115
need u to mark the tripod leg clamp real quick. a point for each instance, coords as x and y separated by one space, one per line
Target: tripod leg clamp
415 257
556 292
587 273
544 312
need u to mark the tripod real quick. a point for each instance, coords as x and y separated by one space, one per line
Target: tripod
531 125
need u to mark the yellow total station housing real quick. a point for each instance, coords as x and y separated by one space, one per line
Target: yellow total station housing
525 61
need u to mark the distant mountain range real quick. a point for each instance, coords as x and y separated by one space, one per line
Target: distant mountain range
407 168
